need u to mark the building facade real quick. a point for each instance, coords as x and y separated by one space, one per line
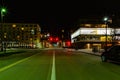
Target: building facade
95 35
20 35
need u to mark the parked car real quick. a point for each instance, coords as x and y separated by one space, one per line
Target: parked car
112 54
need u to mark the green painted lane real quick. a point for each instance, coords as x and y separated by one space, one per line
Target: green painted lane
81 66
36 67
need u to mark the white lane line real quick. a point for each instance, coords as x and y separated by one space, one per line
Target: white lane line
53 74
11 65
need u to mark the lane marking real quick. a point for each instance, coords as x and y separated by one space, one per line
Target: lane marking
53 74
13 64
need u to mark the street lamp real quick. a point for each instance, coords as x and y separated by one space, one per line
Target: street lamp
106 25
3 11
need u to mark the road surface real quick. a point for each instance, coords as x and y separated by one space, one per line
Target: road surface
57 64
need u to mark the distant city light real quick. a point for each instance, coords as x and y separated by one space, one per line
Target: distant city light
14 25
62 30
22 28
48 34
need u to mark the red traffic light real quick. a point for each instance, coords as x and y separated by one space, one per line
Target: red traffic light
51 39
68 43
56 39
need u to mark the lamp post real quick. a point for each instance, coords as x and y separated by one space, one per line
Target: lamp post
106 25
3 11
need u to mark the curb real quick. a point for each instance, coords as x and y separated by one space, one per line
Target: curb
96 54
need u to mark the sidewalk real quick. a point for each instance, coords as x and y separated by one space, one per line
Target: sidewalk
89 51
11 50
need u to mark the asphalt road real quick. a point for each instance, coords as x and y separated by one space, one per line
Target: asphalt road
58 64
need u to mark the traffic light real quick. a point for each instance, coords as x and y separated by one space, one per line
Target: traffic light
68 43
51 39
56 39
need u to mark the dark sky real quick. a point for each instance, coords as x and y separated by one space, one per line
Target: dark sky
57 14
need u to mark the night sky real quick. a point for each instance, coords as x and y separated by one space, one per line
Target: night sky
55 15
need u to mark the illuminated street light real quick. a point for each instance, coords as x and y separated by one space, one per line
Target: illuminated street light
106 19
3 11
